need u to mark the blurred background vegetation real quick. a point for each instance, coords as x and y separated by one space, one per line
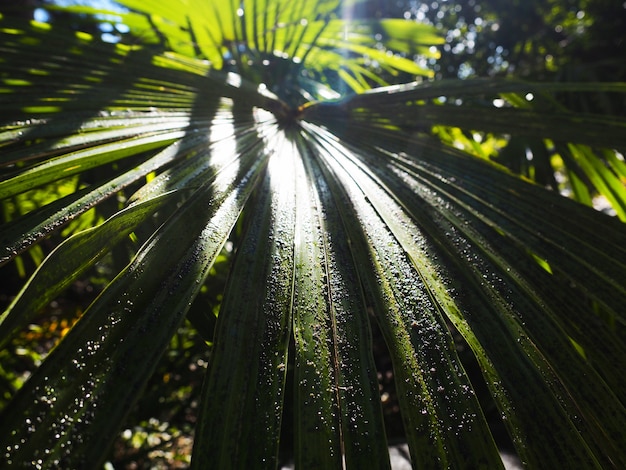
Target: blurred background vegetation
544 40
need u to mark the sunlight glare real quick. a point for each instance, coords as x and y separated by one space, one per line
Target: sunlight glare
347 15
281 169
233 79
224 143
282 151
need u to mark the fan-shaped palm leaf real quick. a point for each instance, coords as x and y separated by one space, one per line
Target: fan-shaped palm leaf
284 44
351 213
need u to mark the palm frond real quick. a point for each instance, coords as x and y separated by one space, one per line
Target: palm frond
561 143
352 216
292 47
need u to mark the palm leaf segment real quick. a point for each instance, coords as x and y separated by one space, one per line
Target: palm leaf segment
350 214
300 50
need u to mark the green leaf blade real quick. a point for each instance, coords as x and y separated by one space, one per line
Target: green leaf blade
339 415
